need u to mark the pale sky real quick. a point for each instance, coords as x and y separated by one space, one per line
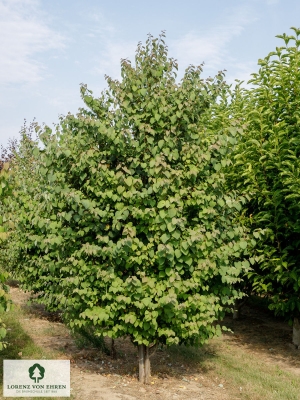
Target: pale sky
49 47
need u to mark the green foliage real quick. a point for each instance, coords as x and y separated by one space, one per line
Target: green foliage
131 229
88 338
5 191
267 168
16 181
20 182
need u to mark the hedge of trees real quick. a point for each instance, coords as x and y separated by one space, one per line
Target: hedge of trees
7 154
148 213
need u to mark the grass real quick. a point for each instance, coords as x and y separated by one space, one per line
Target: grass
244 374
258 380
20 345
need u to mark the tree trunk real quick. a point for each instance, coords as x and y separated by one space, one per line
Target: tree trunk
113 350
296 332
236 310
144 363
147 365
238 304
141 363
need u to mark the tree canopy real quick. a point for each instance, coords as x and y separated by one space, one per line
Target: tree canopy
128 226
266 167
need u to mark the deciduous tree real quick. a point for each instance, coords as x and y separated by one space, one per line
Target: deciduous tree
132 230
267 168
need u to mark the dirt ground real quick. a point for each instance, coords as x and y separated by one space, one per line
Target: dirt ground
96 376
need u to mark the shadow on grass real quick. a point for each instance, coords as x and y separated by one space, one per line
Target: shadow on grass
20 345
175 361
194 359
258 330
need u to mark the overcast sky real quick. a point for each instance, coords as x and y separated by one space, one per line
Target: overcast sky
48 47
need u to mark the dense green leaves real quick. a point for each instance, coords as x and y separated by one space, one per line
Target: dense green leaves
146 212
5 192
131 229
266 167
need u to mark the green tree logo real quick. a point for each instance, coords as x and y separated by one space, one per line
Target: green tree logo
36 372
